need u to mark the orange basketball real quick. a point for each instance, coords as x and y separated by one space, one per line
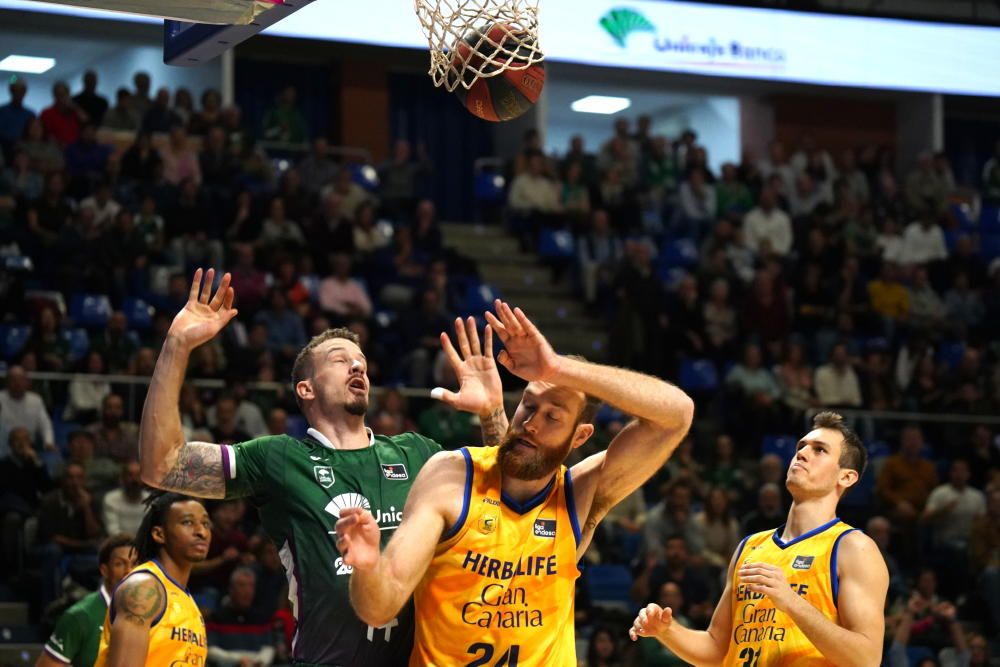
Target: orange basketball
506 95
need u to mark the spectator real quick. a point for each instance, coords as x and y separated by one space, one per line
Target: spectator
427 236
226 431
47 341
23 480
720 322
698 203
926 187
14 116
776 164
923 242
317 169
23 181
159 117
889 299
238 634
794 376
142 161
342 296
653 653
90 101
62 120
720 532
369 236
402 179
599 251
423 328
603 650
767 228
210 114
229 545
964 305
769 511
67 526
183 106
351 195
121 117
953 508
140 99
285 332
44 154
390 418
284 122
754 383
532 193
105 208
114 438
880 530
215 161
672 516
277 422
114 343
180 161
904 482
86 159
124 507
927 311
733 196
837 383
77 635
100 473
22 408
918 616
678 566
49 215
984 555
278 232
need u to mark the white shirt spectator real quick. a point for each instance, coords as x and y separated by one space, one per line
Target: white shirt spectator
533 193
104 214
85 396
346 298
837 386
698 208
29 412
249 419
773 226
922 244
122 515
890 247
955 524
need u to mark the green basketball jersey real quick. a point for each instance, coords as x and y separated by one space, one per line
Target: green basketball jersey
300 486
77 634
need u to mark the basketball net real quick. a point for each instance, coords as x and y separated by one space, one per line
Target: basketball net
500 34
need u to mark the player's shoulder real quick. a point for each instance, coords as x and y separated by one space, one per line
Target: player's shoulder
853 543
446 467
412 443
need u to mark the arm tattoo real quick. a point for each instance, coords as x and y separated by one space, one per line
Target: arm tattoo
197 471
141 601
494 427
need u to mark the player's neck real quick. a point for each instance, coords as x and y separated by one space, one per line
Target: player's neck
521 490
179 571
809 514
346 432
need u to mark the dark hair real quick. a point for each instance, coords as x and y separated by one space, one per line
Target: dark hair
852 454
157 507
303 366
592 657
112 543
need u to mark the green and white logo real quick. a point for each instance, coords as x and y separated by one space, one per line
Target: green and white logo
622 22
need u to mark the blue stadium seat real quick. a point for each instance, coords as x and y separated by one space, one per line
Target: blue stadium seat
489 187
138 313
479 297
297 426
609 586
989 220
555 243
782 445
699 375
989 246
679 253
13 338
950 353
365 175
90 310
18 264
960 213
78 341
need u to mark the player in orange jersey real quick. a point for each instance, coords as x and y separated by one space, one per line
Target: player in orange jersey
811 592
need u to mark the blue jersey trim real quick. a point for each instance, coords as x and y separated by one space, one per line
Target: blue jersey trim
739 549
531 503
466 497
574 520
804 536
167 575
834 579
166 604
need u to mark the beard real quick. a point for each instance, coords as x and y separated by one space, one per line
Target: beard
357 406
531 465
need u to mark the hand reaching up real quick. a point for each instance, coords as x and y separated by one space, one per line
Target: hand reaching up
204 315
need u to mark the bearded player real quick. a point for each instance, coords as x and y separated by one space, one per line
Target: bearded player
811 592
300 485
491 536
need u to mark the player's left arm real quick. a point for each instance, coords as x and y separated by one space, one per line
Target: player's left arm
864 582
381 583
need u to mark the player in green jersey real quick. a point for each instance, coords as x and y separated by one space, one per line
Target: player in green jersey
77 634
300 486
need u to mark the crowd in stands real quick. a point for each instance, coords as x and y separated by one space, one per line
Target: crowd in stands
790 282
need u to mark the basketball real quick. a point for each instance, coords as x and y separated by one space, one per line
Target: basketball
506 95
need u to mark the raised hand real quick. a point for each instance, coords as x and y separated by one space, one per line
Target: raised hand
357 538
526 353
651 621
204 315
479 388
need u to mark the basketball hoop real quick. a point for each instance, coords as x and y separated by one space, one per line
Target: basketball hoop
474 39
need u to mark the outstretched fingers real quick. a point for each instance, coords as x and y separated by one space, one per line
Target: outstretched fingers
497 326
206 286
462 338
195 286
220 294
528 326
473 335
449 351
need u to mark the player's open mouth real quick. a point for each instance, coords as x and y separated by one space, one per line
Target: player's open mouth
357 385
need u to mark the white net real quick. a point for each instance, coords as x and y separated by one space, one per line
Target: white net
473 39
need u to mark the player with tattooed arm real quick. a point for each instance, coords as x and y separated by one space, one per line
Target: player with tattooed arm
301 485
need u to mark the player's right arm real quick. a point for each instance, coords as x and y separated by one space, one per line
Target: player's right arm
167 461
64 644
139 603
697 647
382 582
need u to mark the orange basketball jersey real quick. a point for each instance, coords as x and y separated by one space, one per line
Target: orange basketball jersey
762 635
500 589
177 638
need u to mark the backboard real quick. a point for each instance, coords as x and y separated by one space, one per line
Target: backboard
189 44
